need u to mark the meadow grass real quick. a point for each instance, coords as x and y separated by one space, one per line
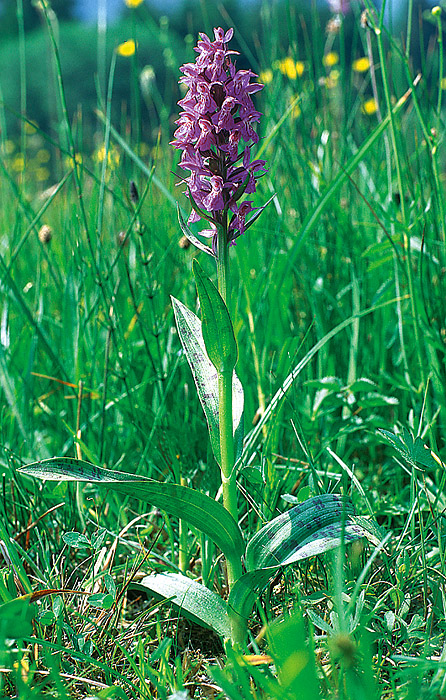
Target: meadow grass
343 277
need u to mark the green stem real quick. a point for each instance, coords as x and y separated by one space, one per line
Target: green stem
228 480
229 484
182 548
223 263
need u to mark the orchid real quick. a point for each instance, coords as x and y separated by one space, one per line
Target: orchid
215 132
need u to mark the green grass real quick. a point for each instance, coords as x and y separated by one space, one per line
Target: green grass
343 273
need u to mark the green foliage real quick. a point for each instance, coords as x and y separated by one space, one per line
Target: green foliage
194 507
218 334
206 378
338 314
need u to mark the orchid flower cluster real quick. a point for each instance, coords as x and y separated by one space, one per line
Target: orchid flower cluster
216 122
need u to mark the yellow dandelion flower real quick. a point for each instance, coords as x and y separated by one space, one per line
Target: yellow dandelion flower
369 106
18 163
443 84
292 69
126 49
133 3
42 174
361 65
266 76
330 59
70 161
300 67
112 156
287 67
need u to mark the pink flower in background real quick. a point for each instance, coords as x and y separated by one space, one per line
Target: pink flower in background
215 132
339 7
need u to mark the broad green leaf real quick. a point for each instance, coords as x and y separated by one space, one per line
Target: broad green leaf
206 379
310 528
244 592
193 507
362 384
193 599
330 383
374 399
280 541
218 334
413 450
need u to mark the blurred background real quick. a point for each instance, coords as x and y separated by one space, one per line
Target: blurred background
149 40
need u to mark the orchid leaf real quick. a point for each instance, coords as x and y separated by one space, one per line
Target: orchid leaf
191 238
194 600
310 528
255 216
193 507
244 593
206 379
279 541
218 334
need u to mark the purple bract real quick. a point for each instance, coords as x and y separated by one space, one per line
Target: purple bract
215 132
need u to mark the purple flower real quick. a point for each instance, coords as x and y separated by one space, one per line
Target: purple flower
215 132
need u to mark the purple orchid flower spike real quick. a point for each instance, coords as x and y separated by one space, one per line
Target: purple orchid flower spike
215 132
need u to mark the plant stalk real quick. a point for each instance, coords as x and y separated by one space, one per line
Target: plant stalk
228 480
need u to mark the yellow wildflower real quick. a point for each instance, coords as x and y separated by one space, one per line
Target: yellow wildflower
443 84
361 65
266 76
369 106
330 59
112 156
18 163
133 3
287 67
127 48
69 160
291 68
300 67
